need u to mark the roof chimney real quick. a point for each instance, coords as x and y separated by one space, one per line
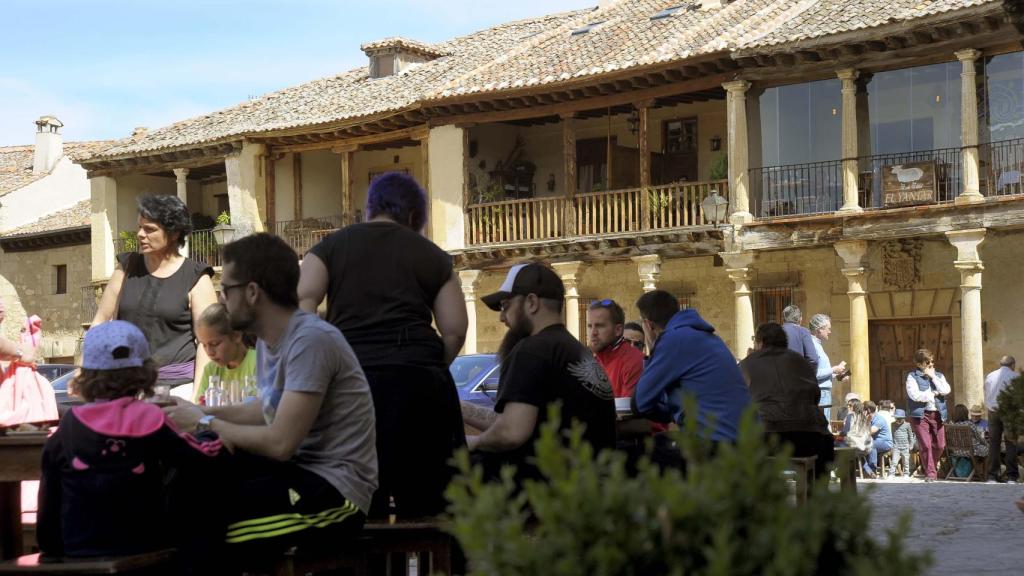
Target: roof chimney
49 145
394 55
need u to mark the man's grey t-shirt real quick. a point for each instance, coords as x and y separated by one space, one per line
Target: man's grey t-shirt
313 357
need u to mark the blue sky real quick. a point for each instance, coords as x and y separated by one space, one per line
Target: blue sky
106 66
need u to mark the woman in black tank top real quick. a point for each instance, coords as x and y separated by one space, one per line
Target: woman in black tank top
161 291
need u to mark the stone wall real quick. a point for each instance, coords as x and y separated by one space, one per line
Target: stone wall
27 287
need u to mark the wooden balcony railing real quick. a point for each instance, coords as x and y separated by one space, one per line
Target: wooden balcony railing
303 234
516 220
590 214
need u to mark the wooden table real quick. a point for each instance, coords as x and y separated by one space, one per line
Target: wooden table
20 460
846 462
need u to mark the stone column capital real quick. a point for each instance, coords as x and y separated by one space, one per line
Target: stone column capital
569 273
848 75
737 87
469 279
737 260
853 252
966 243
180 173
648 267
967 55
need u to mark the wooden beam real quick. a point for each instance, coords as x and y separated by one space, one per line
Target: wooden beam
297 184
643 136
696 84
410 133
270 161
346 188
569 161
808 56
895 42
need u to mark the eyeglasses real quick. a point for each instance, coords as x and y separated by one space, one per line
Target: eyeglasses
225 287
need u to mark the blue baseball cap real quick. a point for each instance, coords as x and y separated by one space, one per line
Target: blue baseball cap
114 345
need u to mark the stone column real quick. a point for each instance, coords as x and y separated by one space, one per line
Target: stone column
738 267
969 127
968 262
854 255
570 273
470 279
736 111
103 197
247 188
447 182
181 182
648 267
851 201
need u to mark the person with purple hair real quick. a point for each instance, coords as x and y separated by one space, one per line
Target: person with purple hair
385 285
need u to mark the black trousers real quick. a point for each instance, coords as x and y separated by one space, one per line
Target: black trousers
419 427
995 449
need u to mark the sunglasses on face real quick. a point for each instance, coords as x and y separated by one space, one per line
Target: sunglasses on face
638 344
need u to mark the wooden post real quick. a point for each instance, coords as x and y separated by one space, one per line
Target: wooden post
645 165
297 179
466 200
425 162
347 216
851 195
271 163
569 153
608 153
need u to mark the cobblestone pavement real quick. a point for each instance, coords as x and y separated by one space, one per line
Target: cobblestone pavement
970 528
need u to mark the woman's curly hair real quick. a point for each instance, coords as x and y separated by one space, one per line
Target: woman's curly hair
167 211
113 384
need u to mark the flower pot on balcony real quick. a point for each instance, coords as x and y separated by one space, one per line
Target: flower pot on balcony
223 234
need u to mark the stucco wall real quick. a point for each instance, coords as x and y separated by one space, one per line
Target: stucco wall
208 197
65 186
27 287
365 161
284 189
321 184
446 187
131 187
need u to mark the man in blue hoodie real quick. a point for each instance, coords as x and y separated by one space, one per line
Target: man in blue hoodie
688 358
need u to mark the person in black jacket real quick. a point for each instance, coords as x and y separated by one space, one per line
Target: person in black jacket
783 385
102 490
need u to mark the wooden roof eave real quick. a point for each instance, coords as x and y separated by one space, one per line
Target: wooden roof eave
48 239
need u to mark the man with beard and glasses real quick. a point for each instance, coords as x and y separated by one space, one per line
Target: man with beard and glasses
305 464
541 363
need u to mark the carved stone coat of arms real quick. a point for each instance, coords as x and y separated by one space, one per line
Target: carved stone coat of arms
901 262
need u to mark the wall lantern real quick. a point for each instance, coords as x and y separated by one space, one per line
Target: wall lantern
716 143
716 208
634 122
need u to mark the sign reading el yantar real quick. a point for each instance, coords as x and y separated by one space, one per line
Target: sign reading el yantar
908 184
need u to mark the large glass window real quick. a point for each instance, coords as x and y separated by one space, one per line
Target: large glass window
1002 111
915 109
801 123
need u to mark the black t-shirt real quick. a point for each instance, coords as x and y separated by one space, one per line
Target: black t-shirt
161 308
383 279
553 365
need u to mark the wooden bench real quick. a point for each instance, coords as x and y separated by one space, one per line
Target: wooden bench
153 563
803 469
847 462
425 538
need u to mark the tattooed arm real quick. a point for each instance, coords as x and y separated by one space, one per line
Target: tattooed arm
477 416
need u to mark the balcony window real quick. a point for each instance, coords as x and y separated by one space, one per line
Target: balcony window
915 109
1002 108
801 123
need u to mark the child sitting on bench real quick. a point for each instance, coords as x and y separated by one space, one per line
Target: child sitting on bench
102 490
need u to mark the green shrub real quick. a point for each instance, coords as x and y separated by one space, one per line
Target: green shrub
129 240
224 218
1011 408
728 516
720 167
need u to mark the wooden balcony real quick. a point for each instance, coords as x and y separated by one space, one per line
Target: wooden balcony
303 234
632 210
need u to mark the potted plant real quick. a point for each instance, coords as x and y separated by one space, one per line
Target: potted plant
1011 409
223 232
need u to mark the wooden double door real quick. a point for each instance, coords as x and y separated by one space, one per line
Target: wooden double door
893 344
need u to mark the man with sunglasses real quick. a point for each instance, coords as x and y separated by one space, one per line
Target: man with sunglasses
633 332
621 361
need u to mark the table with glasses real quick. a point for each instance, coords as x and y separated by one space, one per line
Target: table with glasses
21 456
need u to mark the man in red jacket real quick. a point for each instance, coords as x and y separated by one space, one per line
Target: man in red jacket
621 361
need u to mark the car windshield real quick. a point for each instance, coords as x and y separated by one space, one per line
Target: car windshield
466 370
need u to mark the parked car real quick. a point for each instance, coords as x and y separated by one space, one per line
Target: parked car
476 378
53 371
60 389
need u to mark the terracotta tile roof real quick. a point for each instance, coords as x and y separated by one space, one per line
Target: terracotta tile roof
77 216
346 96
16 162
540 51
831 17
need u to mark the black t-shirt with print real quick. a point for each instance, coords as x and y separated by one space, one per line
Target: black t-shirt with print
553 365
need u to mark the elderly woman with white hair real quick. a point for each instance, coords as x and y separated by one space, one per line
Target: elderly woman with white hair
821 328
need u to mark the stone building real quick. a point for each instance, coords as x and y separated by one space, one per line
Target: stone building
44 238
866 150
